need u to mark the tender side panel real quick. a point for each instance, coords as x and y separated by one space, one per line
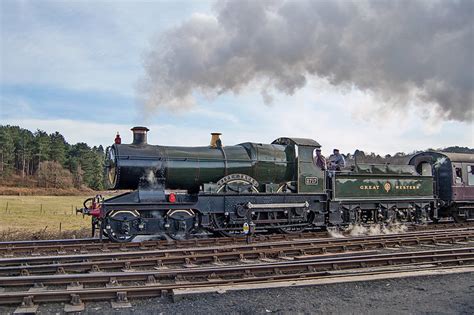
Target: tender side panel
382 187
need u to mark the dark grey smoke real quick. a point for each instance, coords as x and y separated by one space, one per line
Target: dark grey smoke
406 51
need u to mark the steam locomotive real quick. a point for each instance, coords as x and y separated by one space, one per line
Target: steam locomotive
229 190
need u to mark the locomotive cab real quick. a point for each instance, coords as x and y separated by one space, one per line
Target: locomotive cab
308 178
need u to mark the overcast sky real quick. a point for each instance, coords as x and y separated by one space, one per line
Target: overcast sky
91 68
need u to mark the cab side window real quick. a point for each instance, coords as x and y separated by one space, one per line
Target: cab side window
458 175
470 175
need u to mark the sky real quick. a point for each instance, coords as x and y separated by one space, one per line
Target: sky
77 67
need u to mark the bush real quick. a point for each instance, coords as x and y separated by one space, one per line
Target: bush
52 175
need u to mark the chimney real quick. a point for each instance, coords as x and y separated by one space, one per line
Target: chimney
216 140
118 140
139 135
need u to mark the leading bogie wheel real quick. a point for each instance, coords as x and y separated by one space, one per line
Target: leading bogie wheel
119 226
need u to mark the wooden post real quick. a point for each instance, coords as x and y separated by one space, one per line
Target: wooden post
41 208
6 208
60 227
72 210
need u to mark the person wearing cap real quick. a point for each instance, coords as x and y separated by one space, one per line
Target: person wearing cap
320 160
336 161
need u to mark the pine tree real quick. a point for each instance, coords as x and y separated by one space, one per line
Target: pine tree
7 151
98 168
58 148
42 147
24 151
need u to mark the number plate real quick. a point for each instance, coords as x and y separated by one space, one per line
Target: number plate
311 181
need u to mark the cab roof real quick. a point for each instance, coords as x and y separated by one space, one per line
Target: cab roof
459 157
453 157
297 141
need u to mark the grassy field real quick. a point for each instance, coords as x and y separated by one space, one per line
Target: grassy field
41 217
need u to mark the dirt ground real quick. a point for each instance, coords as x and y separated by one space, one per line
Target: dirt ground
447 294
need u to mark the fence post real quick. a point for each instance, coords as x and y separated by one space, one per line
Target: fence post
6 208
60 227
41 208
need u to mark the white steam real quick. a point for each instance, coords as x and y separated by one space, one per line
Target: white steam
440 161
151 179
406 52
361 230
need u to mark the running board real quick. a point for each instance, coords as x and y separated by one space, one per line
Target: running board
250 205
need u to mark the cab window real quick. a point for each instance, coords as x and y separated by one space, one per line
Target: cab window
470 175
458 175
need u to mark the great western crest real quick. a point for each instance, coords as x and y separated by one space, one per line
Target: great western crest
387 186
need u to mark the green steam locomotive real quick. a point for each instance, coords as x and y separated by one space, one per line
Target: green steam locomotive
182 191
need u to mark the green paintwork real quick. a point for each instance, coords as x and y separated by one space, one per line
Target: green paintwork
372 186
385 169
310 177
189 167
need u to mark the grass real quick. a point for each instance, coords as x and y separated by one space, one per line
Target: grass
39 217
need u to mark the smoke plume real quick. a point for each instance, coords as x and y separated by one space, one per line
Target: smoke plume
405 51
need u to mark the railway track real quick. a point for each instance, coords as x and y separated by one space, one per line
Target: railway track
234 253
88 245
120 286
303 264
68 246
38 273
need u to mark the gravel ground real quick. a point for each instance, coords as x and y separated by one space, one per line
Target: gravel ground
447 294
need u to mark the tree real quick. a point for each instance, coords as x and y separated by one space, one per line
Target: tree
458 149
42 146
51 174
7 151
58 148
91 161
359 156
77 173
24 151
97 169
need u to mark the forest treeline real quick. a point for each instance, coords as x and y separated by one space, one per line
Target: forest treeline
48 160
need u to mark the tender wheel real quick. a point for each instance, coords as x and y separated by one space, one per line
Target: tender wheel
119 226
421 215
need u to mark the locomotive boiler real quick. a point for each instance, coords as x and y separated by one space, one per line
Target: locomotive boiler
189 168
179 192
